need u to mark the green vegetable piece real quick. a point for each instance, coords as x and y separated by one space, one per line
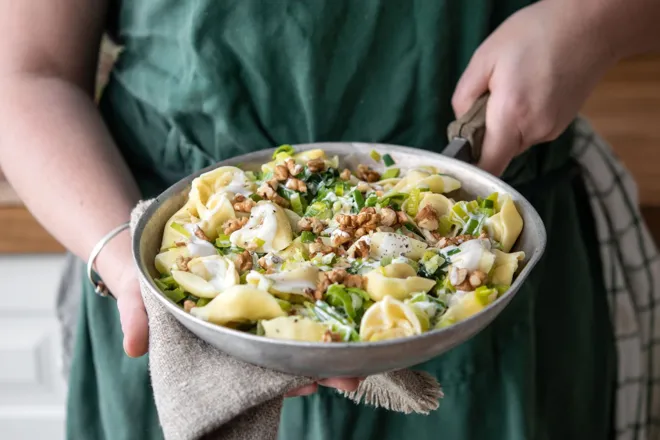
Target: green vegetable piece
444 225
169 282
162 286
385 261
203 301
180 229
390 173
485 295
222 241
256 197
284 305
283 149
308 237
297 204
413 202
177 295
339 189
374 155
337 296
371 201
260 331
359 199
258 242
453 252
387 160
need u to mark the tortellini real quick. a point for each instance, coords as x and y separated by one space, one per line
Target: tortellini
462 306
208 276
473 255
295 328
506 225
295 281
389 244
398 280
267 230
423 179
241 303
165 261
441 204
505 267
389 319
179 227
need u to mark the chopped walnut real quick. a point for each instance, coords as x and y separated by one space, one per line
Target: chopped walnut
316 165
467 281
242 203
367 174
188 305
281 173
319 248
293 168
312 224
336 276
244 261
339 237
363 187
388 217
454 241
182 263
296 185
234 224
427 218
200 234
266 263
457 275
358 225
345 175
345 220
354 281
360 250
180 243
477 278
402 217
329 336
267 191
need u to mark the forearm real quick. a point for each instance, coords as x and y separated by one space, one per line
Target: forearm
60 158
625 27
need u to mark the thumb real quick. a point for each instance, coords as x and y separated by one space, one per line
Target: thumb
473 83
502 140
133 317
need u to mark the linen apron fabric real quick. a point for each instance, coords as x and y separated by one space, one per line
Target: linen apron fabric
201 81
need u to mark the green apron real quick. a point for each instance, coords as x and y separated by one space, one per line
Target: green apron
203 80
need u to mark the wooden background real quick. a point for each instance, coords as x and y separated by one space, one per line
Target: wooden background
625 109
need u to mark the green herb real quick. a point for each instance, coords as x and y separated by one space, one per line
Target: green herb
297 204
202 302
180 229
307 237
374 155
222 241
286 149
387 160
371 201
341 325
177 295
359 199
390 173
453 252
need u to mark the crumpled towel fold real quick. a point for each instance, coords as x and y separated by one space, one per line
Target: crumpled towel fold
203 393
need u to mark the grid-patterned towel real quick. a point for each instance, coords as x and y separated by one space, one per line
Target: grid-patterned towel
631 266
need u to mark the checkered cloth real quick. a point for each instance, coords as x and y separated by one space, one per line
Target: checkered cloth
631 266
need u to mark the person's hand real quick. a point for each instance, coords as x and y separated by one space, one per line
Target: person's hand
118 271
342 384
116 267
540 66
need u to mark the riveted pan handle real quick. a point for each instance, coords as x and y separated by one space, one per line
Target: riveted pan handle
471 128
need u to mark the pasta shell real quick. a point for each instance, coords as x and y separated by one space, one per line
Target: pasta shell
241 303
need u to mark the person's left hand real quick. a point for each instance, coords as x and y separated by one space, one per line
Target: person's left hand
540 65
343 384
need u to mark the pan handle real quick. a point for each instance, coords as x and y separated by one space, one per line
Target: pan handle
471 126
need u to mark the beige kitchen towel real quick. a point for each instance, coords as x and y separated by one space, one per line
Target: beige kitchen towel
203 393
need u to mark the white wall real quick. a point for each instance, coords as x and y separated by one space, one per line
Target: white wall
32 389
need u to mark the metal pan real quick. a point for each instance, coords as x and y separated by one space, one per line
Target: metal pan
322 360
